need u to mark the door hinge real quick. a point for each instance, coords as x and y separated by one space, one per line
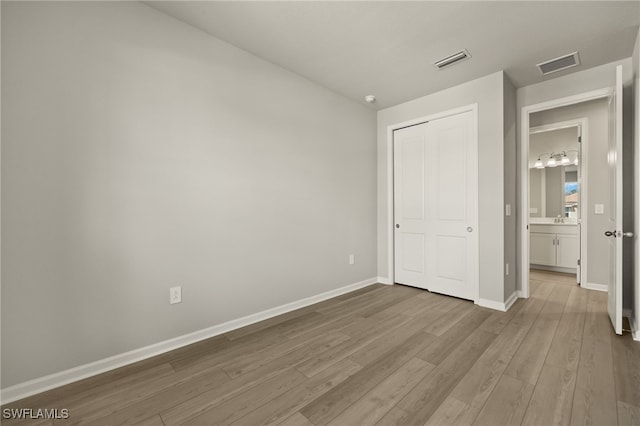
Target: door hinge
578 262
579 139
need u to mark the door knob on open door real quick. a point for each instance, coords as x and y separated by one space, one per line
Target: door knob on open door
610 234
626 234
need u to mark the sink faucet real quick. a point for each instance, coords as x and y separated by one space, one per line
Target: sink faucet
558 219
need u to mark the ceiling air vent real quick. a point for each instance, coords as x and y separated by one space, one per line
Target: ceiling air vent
452 59
559 64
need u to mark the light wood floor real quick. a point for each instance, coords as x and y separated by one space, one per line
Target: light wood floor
385 355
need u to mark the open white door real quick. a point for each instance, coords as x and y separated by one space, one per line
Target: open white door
614 232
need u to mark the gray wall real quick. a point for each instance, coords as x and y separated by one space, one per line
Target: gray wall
488 93
510 197
573 84
597 173
139 153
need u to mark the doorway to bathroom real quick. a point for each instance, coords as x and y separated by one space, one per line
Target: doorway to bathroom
557 190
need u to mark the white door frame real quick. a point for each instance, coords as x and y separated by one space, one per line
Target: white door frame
473 108
583 132
526 111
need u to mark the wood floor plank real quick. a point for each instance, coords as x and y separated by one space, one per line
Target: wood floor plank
440 349
557 278
357 292
628 414
476 386
151 421
103 389
242 365
556 301
112 402
552 397
315 364
412 306
565 347
453 412
382 345
507 403
268 323
138 410
325 408
296 419
401 294
241 383
594 399
239 405
352 305
446 315
597 324
626 367
378 401
424 399
527 362
280 408
499 320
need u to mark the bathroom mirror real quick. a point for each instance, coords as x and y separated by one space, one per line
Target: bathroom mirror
554 173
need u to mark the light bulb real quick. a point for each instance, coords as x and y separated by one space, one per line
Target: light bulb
538 164
551 162
565 160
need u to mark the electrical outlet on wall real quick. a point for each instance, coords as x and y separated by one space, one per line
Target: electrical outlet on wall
175 295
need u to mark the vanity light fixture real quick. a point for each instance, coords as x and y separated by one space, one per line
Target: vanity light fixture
555 159
538 164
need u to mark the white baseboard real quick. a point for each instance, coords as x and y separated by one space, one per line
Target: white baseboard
511 300
41 384
385 280
498 306
520 294
594 286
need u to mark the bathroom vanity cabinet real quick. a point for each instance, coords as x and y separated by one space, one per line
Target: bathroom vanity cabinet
555 245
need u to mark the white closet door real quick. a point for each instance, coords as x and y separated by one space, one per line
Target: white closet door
409 205
452 212
436 245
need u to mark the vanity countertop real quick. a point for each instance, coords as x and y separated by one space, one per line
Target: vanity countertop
554 228
550 221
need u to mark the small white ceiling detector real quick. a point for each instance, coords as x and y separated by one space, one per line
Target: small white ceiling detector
370 99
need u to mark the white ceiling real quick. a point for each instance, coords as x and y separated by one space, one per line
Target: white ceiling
388 48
